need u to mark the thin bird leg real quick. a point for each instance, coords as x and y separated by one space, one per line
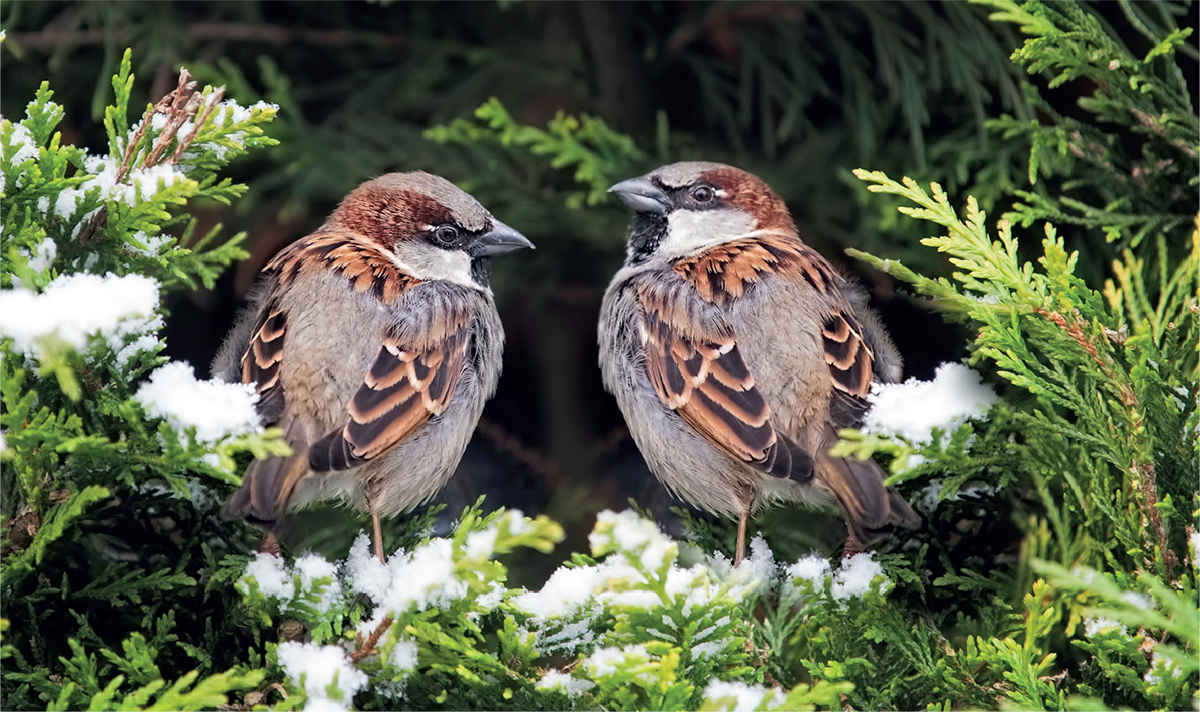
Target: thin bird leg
378 537
269 545
741 539
853 546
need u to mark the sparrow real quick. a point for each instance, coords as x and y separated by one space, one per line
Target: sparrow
373 344
736 352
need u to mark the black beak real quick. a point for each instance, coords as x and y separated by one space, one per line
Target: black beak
642 195
500 239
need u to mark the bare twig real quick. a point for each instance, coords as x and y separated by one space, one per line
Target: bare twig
52 38
546 468
181 105
178 106
368 647
213 102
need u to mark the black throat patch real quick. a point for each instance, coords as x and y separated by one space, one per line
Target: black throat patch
481 269
645 235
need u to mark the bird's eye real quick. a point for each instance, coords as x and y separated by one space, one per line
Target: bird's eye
446 234
703 194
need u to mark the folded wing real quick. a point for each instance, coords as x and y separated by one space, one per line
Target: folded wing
406 385
697 370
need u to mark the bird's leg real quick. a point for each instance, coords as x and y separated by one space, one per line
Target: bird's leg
378 536
270 545
741 539
853 546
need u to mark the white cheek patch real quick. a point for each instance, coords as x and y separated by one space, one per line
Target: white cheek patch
693 231
426 262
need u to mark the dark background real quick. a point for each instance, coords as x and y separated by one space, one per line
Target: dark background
799 93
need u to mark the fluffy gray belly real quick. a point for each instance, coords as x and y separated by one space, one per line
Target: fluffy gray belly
779 334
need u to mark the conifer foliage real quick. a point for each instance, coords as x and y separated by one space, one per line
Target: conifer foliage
1056 471
113 460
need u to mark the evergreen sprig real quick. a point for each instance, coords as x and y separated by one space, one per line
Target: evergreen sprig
599 154
109 503
1129 189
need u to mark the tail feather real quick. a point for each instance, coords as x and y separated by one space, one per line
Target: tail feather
268 484
791 461
871 510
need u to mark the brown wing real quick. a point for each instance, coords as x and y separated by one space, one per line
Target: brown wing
700 374
352 256
339 251
380 412
851 367
262 358
726 272
406 386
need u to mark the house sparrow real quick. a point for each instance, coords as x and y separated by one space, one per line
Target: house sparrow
736 352
373 344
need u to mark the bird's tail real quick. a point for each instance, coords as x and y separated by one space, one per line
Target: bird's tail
871 509
268 484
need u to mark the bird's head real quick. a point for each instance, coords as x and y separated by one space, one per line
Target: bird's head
434 229
686 208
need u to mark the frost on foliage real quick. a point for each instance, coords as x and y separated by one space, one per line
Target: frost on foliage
481 544
813 568
215 409
492 598
853 579
422 579
366 573
272 575
607 661
629 532
21 146
1094 626
140 185
565 606
148 245
911 410
404 655
227 114
755 574
927 501
566 591
745 697
570 686
1139 600
319 585
1161 665
320 666
640 575
74 307
312 568
42 257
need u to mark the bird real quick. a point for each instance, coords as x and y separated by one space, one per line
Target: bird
735 352
373 344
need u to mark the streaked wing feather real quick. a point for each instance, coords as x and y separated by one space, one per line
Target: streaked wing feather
704 378
262 360
850 364
404 387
